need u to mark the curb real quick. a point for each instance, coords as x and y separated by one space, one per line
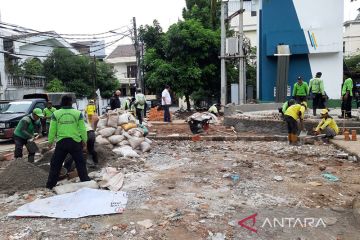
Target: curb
345 149
222 138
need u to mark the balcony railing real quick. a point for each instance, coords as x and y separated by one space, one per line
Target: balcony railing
127 80
26 81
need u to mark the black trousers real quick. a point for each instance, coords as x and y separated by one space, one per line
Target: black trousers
291 124
139 114
19 144
300 99
166 113
346 106
64 147
318 101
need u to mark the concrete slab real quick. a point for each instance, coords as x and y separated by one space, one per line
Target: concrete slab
352 147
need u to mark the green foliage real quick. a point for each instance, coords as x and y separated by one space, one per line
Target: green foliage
33 67
352 64
55 85
207 12
13 68
77 73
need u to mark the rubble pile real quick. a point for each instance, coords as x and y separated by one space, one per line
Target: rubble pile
119 131
21 175
155 114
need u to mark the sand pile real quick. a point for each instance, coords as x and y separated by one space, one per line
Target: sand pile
21 175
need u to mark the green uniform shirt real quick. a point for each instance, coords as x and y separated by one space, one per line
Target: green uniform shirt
48 112
300 90
140 100
347 86
126 104
213 109
67 123
316 86
26 127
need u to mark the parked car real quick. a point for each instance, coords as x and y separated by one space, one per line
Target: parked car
3 104
14 112
54 97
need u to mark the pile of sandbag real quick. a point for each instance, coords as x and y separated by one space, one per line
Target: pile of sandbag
118 130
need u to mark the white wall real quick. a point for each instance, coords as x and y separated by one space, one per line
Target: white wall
327 56
2 71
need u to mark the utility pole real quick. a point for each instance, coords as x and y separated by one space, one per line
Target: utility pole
222 56
137 51
242 64
94 79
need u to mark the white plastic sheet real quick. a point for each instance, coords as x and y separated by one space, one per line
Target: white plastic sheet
84 202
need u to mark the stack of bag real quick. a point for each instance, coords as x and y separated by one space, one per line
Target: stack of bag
118 130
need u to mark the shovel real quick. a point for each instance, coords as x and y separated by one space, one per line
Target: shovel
303 132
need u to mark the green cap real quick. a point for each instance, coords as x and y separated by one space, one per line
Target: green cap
38 112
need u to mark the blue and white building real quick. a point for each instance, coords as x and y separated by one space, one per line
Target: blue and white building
313 30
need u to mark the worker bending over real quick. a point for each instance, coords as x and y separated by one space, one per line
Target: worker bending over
292 114
327 125
68 128
214 109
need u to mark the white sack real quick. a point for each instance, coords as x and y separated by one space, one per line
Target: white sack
126 151
107 132
148 141
145 147
102 141
102 122
73 187
113 120
115 139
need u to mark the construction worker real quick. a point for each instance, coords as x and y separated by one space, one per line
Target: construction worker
316 91
24 133
139 104
126 104
327 125
48 111
90 110
68 128
286 105
292 114
90 144
214 109
300 90
346 96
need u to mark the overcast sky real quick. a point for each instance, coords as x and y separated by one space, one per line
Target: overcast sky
93 16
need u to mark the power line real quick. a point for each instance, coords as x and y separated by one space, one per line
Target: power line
29 30
31 55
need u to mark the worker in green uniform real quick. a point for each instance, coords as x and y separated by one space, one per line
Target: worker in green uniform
316 90
139 104
24 133
68 128
346 96
48 111
214 109
300 90
126 104
286 105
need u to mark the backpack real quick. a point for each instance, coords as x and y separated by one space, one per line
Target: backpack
141 101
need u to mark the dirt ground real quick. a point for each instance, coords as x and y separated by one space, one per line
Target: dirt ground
201 190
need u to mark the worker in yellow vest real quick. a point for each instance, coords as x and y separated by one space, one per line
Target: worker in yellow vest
90 110
292 114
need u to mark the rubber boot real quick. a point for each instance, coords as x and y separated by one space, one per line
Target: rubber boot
31 158
295 139
290 138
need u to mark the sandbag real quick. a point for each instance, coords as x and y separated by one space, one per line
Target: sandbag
148 141
107 132
113 120
136 132
123 143
125 151
101 140
128 126
135 141
102 122
123 119
145 147
73 187
118 131
115 139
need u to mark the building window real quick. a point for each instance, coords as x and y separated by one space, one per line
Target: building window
131 71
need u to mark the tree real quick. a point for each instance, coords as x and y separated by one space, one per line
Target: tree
207 12
55 85
33 67
77 73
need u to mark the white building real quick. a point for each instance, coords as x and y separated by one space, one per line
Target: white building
17 48
123 59
352 37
